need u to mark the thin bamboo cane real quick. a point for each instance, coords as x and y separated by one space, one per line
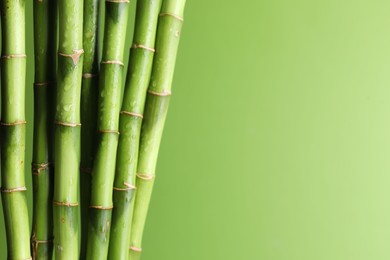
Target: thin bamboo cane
67 130
110 88
45 44
13 70
89 89
138 76
156 107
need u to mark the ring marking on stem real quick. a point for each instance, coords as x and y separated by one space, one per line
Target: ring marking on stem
131 114
128 187
101 207
109 132
65 203
35 242
118 1
145 177
67 124
42 241
140 46
165 93
12 56
135 249
118 62
75 56
13 124
173 15
89 75
4 190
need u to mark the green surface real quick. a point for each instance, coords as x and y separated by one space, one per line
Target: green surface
277 141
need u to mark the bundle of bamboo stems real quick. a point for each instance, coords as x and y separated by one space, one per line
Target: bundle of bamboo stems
95 149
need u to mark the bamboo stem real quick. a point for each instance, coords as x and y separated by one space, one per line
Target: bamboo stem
13 127
67 130
110 88
138 76
45 44
156 107
89 89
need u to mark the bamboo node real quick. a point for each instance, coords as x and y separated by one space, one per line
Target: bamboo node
4 190
123 189
75 56
12 56
109 132
101 207
86 169
112 62
65 203
145 177
131 114
67 124
173 15
89 75
43 84
135 249
35 243
165 93
13 124
128 187
42 241
140 46
38 167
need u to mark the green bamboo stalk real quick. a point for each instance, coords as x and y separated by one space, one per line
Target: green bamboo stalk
13 70
110 90
45 44
156 107
67 130
138 76
89 89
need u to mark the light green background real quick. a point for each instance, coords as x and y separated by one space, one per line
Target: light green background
277 144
